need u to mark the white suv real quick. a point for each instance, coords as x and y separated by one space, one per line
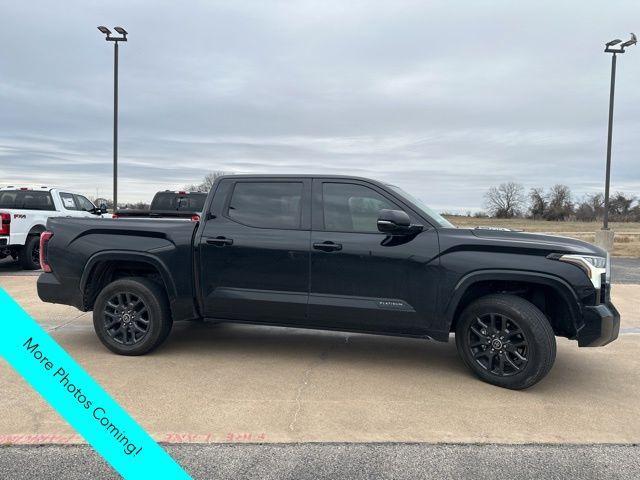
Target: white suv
24 212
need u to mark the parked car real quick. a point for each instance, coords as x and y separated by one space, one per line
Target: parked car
24 212
335 253
169 204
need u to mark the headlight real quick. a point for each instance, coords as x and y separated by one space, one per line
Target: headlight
598 262
593 266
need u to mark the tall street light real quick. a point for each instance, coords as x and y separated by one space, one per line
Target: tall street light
115 40
614 46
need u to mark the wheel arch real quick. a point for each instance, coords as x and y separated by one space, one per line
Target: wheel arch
36 229
105 267
551 294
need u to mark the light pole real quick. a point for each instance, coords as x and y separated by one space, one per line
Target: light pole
614 47
115 40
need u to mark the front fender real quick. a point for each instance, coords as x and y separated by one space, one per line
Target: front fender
562 287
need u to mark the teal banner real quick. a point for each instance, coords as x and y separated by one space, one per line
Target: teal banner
83 403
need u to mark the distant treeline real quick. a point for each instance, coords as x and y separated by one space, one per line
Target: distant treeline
508 200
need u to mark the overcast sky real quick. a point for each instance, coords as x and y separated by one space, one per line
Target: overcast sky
441 98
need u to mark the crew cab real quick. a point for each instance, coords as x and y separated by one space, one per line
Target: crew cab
335 253
169 203
24 211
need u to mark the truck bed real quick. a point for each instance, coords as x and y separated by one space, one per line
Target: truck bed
164 243
131 213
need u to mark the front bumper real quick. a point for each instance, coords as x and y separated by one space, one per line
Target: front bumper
601 325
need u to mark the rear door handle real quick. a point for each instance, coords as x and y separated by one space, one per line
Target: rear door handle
219 241
327 246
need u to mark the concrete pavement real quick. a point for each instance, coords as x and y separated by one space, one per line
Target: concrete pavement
246 384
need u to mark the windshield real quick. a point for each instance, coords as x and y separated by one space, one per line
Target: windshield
443 222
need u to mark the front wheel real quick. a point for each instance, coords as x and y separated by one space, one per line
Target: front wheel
506 341
131 316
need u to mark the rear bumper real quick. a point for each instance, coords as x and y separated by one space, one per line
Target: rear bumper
10 241
51 290
601 325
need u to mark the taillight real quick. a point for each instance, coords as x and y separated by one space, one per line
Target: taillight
5 223
44 239
115 215
195 217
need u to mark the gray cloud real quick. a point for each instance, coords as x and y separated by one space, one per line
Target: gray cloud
441 98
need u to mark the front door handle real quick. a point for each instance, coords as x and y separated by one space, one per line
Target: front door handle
219 241
327 246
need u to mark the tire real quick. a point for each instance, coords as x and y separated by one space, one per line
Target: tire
131 316
30 253
515 330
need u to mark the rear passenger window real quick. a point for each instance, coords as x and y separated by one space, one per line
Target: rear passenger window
267 204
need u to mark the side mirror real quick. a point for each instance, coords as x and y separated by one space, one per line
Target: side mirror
103 208
396 222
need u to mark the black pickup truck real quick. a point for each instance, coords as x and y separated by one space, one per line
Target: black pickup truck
334 253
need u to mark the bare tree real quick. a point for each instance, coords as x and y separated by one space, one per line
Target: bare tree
635 213
560 206
620 207
505 201
207 182
537 203
596 200
590 208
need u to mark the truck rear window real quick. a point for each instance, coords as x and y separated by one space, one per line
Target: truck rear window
26 199
190 202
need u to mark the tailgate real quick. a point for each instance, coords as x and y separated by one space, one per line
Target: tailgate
21 223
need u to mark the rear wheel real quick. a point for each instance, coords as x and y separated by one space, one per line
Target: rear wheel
30 253
131 316
506 341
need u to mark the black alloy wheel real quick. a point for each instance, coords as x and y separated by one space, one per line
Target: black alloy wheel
498 344
126 318
506 341
35 254
131 315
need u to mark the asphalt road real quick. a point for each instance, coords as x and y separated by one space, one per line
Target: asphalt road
348 461
9 266
625 270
